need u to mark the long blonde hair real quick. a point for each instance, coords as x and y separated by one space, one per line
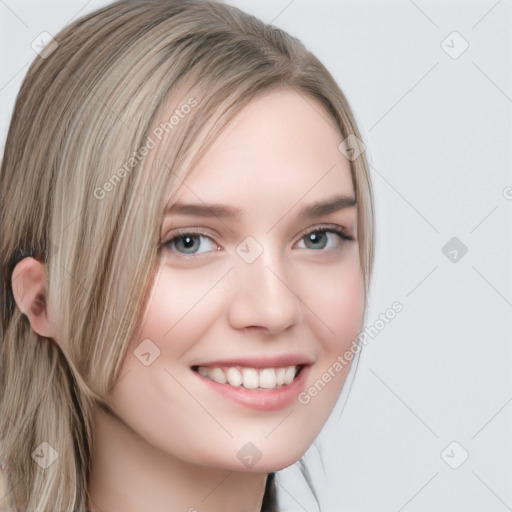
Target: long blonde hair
78 193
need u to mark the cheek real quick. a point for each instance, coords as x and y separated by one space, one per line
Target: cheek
181 307
336 299
347 309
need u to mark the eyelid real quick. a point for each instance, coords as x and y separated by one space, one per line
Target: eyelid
187 231
335 228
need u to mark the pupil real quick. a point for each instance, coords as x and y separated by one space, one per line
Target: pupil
317 239
188 243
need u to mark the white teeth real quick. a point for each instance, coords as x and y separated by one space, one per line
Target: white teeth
218 376
280 373
234 377
289 375
250 378
268 378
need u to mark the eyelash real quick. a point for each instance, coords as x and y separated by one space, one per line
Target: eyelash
182 233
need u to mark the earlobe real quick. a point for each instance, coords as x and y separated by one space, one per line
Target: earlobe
29 290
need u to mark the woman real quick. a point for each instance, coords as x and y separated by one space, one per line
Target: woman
187 245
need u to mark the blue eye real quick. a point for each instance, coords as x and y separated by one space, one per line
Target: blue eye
320 239
191 243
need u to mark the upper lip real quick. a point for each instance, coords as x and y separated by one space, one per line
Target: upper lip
263 361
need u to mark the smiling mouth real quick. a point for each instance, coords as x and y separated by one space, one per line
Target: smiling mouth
251 378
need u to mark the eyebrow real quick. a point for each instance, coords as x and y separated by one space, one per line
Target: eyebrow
311 211
204 210
324 207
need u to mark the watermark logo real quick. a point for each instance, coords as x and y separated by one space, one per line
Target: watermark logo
249 249
352 147
455 455
147 352
454 250
44 45
454 45
45 455
249 454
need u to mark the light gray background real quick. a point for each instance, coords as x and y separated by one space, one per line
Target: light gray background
438 135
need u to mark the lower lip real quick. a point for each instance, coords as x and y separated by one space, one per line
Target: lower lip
261 399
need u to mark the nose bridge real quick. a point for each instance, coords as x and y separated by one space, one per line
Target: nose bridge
264 294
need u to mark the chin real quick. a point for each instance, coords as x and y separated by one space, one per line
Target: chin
273 462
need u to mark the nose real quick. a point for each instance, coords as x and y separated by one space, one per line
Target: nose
264 296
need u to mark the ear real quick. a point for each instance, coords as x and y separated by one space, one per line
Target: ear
29 290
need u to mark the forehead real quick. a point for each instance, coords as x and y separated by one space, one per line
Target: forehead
281 147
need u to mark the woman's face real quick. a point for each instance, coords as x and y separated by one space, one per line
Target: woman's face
259 280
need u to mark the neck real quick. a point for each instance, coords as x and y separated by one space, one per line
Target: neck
130 475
